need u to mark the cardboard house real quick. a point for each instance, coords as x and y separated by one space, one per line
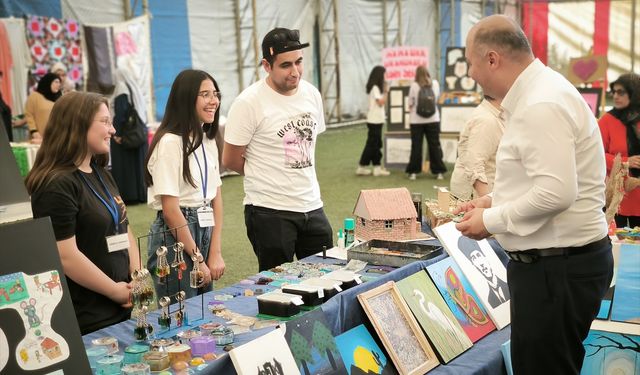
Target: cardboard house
386 214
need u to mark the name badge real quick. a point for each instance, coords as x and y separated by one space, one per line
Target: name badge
117 242
205 217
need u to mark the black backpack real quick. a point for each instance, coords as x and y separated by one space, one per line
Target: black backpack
134 131
426 105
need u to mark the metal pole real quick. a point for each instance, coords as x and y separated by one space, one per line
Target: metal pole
452 27
399 10
127 9
239 57
384 23
337 44
256 50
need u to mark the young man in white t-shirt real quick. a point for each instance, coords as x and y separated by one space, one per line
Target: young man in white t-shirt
270 138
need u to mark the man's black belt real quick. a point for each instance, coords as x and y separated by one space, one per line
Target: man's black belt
532 255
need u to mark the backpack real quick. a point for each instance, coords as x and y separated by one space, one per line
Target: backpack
134 131
426 105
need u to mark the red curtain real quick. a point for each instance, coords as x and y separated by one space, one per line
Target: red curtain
535 23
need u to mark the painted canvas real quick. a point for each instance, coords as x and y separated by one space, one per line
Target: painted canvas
361 354
312 344
398 330
482 267
461 299
611 353
268 354
626 300
442 328
38 329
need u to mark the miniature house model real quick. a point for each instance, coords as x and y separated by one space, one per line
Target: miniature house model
385 214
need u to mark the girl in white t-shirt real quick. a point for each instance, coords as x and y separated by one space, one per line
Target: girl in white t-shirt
372 153
183 179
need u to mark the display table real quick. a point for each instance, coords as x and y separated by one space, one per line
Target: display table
343 312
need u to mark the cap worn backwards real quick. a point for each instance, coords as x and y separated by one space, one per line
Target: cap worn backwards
280 40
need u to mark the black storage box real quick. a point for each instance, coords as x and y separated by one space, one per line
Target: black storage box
330 287
279 304
311 295
392 253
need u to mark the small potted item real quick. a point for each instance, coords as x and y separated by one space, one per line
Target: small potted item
206 328
222 335
311 295
179 353
109 342
161 344
136 369
157 360
202 345
133 353
279 304
94 353
109 365
186 336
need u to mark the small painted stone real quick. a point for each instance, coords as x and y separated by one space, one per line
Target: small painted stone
248 292
180 365
227 347
197 361
209 356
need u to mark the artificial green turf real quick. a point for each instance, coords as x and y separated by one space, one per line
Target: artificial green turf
337 155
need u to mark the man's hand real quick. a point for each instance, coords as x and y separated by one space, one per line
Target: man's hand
472 225
482 202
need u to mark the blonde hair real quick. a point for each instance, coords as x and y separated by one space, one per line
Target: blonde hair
423 78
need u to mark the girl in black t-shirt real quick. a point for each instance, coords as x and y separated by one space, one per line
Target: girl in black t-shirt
69 183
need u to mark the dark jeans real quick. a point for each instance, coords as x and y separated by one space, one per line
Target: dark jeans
277 235
431 131
627 221
553 302
372 153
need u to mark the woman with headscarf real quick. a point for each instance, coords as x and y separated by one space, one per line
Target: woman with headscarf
127 163
39 105
620 129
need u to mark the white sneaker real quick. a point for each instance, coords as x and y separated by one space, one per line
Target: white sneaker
363 171
440 177
412 176
379 171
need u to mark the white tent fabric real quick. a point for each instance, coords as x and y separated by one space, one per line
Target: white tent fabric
21 61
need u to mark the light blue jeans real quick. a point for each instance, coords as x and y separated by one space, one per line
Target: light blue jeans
159 236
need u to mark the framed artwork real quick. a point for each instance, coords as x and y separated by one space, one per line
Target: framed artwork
461 299
611 353
312 344
397 149
38 329
593 97
456 70
482 267
444 332
625 306
587 69
398 108
361 354
398 330
267 354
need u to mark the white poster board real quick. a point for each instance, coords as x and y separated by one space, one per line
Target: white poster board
453 117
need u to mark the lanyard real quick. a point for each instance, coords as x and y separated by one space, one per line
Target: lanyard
204 178
111 206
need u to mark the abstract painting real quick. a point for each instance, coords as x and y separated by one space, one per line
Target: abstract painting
361 354
611 353
461 299
442 328
398 330
626 300
312 344
268 354
482 267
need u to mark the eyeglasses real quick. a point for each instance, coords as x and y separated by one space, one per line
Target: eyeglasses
619 92
209 95
106 121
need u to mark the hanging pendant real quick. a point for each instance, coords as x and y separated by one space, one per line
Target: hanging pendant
162 266
196 276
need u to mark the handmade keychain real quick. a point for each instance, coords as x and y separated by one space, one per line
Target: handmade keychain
181 315
143 329
178 260
196 277
164 320
162 266
141 290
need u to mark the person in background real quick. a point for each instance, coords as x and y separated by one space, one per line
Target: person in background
183 177
429 127
69 183
620 129
5 113
475 169
39 105
127 162
372 153
270 138
67 85
546 206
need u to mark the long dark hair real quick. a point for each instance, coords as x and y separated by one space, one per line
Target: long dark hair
630 115
376 78
180 118
44 87
64 144
423 78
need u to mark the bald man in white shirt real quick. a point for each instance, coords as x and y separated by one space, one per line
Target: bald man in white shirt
546 205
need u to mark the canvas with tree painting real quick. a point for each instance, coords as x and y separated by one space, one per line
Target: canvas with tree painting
398 330
482 267
312 344
361 354
461 299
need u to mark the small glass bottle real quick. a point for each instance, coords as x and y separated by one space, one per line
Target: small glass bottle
349 231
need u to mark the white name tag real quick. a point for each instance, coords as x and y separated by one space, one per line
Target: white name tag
117 242
205 217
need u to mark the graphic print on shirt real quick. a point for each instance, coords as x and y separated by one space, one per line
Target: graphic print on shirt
297 140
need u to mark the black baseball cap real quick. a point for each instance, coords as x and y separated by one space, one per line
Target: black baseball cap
281 40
